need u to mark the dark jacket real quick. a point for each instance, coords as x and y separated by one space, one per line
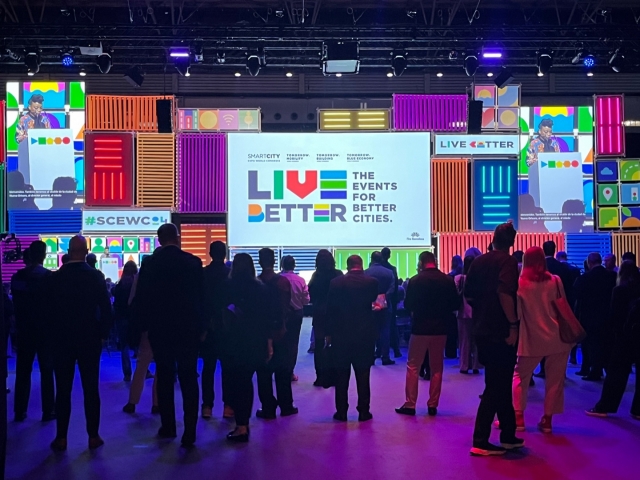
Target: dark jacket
319 292
27 289
247 323
567 274
279 304
80 305
121 293
349 308
593 297
623 297
394 270
215 276
169 299
386 280
490 274
432 298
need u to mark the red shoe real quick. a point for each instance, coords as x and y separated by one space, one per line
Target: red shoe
95 442
545 424
520 421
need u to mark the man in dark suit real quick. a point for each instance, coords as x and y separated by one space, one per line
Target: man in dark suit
432 298
593 299
215 275
394 336
351 332
387 286
170 304
27 290
81 311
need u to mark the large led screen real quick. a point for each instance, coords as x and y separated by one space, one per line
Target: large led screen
495 193
45 145
556 169
336 189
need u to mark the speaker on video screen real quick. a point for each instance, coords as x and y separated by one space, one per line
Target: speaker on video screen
163 116
474 121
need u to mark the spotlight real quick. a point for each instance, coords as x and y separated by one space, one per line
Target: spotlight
66 58
390 74
179 52
398 64
589 61
453 55
289 74
504 78
545 62
220 57
490 74
540 74
135 76
439 74
82 72
578 57
589 74
182 67
279 13
187 73
198 54
338 75
491 53
617 61
104 62
411 13
471 65
340 57
255 61
237 74
32 62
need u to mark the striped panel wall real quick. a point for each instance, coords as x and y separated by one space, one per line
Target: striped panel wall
450 244
3 158
305 257
129 113
253 252
449 195
34 222
202 176
580 245
156 170
625 242
196 239
436 113
3 211
9 269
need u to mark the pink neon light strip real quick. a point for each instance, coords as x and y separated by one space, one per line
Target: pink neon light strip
609 125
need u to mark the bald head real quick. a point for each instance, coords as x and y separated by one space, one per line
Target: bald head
78 249
354 262
168 235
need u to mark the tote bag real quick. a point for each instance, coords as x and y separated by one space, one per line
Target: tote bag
570 329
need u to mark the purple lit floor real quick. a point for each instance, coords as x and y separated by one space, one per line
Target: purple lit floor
312 446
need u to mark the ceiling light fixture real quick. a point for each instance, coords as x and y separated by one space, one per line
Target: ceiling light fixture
255 61
104 62
490 74
545 62
66 58
617 61
589 74
471 64
589 61
491 53
82 72
179 52
398 63
340 57
237 74
32 62
390 74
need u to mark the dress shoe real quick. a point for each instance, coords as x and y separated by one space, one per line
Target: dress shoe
512 443
545 424
188 441
340 417
287 412
164 433
127 378
406 411
95 443
397 354
464 372
432 411
20 417
365 416
59 445
266 414
129 408
47 417
228 412
581 373
591 378
388 361
476 371
155 410
595 413
238 437
206 412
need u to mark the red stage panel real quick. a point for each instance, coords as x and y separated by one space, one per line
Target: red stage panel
609 125
109 169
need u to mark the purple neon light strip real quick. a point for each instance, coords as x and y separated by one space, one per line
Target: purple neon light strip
202 172
435 113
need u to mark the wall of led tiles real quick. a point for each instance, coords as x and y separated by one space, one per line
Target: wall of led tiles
219 120
450 195
196 238
124 113
155 170
500 107
372 120
430 113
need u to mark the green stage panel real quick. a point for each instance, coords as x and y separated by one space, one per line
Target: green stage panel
404 259
3 212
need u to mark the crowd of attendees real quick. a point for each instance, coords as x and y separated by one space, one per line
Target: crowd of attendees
500 311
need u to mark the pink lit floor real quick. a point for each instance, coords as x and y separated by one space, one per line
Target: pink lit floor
312 446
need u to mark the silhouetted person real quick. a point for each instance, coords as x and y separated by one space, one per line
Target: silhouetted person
352 334
170 301
610 262
575 223
394 338
215 276
81 320
319 285
65 198
531 219
18 190
278 312
491 288
451 348
386 287
593 298
248 323
65 259
629 257
121 294
431 299
33 333
92 260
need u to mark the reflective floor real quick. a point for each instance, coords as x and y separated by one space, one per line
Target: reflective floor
312 446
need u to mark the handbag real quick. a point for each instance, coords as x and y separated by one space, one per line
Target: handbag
330 372
570 329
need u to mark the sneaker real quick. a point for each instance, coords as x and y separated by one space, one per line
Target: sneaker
311 349
148 375
476 371
406 411
545 424
129 408
512 443
20 417
594 413
206 412
397 354
47 417
228 412
487 450
464 372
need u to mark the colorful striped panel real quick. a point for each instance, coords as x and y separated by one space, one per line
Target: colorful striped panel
156 170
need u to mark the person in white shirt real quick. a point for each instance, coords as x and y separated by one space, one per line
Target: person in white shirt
299 298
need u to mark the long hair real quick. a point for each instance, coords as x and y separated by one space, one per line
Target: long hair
468 260
243 268
534 266
628 274
325 261
457 265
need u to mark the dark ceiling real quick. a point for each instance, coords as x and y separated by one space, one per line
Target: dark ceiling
139 32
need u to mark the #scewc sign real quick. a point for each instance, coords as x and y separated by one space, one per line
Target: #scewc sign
477 145
112 221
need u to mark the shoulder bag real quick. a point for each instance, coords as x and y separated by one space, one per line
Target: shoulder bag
570 329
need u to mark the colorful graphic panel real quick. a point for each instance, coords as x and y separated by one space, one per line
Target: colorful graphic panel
214 120
495 193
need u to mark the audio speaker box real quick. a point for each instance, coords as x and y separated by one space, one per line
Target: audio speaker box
474 120
504 78
164 116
